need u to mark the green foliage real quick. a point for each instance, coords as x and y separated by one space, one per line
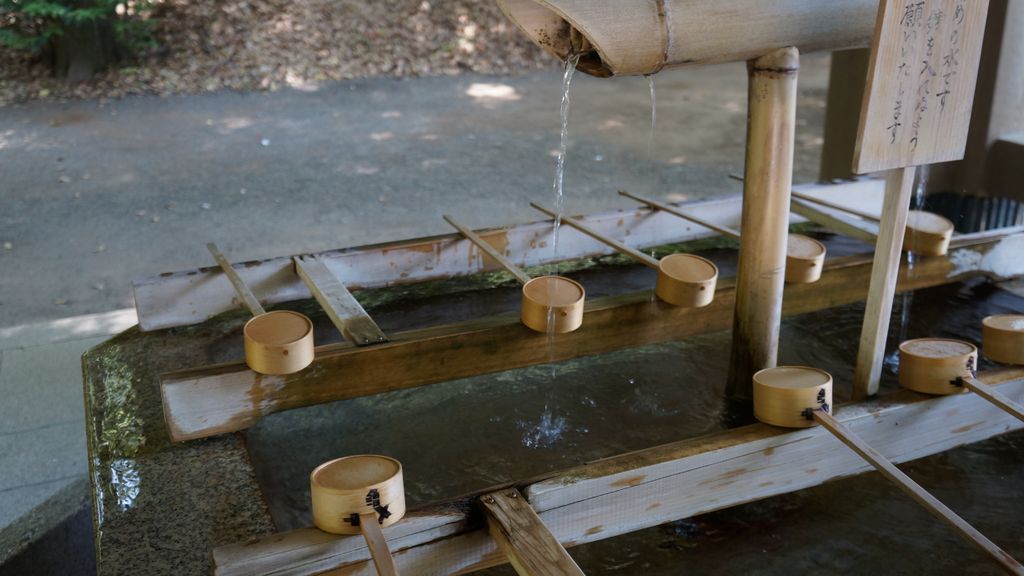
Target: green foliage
31 25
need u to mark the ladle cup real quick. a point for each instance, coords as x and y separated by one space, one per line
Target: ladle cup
550 303
805 256
276 342
801 397
927 233
945 366
683 279
360 494
1002 338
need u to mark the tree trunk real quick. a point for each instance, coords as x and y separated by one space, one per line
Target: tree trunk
83 50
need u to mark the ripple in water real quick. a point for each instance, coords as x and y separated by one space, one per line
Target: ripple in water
545 432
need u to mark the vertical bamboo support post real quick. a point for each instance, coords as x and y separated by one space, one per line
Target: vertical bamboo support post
884 273
771 117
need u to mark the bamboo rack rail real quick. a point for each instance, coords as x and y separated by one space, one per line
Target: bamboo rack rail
193 296
214 400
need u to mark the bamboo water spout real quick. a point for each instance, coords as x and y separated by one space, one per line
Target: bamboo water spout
617 38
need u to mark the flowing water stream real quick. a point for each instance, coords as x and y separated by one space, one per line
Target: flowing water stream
547 429
654 119
557 185
650 159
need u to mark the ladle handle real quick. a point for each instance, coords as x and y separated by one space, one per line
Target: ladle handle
834 206
377 544
677 212
915 491
243 291
619 246
825 203
489 250
988 393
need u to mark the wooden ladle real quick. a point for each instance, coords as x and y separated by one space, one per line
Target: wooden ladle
805 256
927 234
550 303
801 397
360 495
683 279
276 342
944 366
1002 338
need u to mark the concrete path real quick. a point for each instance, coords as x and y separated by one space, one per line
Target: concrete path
42 425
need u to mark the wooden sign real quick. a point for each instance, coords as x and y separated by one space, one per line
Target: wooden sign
920 88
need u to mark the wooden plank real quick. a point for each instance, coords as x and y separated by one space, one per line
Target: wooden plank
341 307
229 397
311 550
193 296
523 538
921 77
884 272
916 492
641 489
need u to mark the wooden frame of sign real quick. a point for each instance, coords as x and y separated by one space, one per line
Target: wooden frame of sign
917 110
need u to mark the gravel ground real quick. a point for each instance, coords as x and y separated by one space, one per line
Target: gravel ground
271 44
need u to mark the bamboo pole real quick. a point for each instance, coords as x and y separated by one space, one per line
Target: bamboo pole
884 273
761 269
631 38
915 491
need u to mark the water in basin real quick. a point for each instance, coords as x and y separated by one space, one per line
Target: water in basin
465 435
